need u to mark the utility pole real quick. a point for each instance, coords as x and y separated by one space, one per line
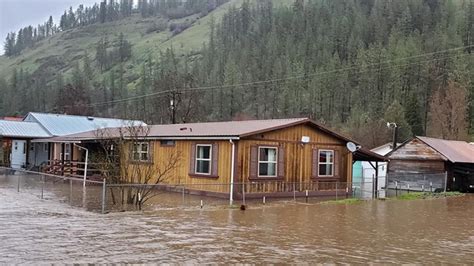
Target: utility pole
173 102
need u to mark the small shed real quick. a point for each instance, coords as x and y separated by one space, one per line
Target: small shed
422 157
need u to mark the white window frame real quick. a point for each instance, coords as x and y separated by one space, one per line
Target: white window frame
140 151
196 159
267 162
67 155
326 163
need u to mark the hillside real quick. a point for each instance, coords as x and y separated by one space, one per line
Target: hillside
353 65
60 51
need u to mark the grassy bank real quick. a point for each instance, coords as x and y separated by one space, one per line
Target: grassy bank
428 195
349 201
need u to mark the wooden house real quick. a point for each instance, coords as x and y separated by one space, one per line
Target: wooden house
279 157
423 156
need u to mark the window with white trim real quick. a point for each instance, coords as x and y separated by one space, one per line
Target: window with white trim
326 163
203 159
267 161
141 152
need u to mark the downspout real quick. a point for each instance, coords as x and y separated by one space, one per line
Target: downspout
231 194
85 164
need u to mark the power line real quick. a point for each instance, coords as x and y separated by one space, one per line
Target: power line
308 76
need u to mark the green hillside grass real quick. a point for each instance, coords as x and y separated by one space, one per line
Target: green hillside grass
61 51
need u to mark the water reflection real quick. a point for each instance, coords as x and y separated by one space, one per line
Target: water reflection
51 231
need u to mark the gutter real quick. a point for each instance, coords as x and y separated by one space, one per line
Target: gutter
182 138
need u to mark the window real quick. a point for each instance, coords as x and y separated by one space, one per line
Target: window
67 152
203 159
267 162
326 163
45 147
167 143
141 152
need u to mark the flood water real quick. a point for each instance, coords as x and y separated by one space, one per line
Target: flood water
50 230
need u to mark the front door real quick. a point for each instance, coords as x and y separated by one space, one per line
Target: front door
18 155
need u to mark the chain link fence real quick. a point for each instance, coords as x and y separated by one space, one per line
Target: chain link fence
99 196
417 182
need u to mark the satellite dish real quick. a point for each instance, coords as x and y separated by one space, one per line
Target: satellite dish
305 139
351 146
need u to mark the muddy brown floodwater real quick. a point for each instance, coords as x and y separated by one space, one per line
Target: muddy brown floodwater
34 230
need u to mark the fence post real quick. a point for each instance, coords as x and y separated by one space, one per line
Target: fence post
104 186
337 188
183 194
396 188
431 187
70 191
243 193
294 191
42 186
18 185
445 181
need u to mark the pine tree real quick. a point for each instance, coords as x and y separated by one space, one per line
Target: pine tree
9 45
413 116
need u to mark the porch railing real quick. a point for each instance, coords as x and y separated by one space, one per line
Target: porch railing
74 169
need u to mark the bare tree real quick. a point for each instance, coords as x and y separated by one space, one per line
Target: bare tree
448 112
127 158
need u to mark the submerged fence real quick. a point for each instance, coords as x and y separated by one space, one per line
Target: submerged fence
102 196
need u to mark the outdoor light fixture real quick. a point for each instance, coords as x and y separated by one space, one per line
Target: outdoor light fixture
391 125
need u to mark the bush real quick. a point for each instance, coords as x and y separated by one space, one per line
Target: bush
157 26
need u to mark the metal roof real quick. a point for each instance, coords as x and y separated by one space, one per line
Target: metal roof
21 129
209 130
61 125
222 129
454 150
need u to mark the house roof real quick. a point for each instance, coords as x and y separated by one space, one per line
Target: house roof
213 130
227 129
454 150
208 130
61 125
21 129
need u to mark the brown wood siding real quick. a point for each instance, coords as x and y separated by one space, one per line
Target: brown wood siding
181 175
298 158
416 150
416 166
